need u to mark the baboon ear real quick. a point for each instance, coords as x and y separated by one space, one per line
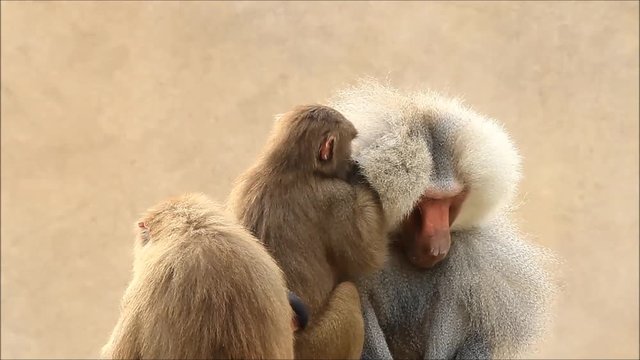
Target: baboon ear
144 232
326 148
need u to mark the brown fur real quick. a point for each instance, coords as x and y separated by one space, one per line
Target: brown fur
202 287
323 228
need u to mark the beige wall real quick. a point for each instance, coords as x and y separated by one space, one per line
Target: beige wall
110 107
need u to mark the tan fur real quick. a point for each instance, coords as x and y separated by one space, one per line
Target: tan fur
322 228
202 287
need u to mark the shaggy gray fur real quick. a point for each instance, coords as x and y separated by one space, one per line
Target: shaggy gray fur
490 297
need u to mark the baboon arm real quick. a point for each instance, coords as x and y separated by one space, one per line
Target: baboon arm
375 344
338 331
361 243
475 346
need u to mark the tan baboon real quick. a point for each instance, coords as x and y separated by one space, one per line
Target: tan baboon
202 287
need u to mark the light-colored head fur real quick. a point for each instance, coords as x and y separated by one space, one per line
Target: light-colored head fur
392 148
174 221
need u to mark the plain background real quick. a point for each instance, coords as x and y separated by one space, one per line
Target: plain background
110 107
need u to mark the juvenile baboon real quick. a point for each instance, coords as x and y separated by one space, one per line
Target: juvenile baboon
320 219
202 288
446 177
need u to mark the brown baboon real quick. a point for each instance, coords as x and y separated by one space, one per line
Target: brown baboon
321 221
202 287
